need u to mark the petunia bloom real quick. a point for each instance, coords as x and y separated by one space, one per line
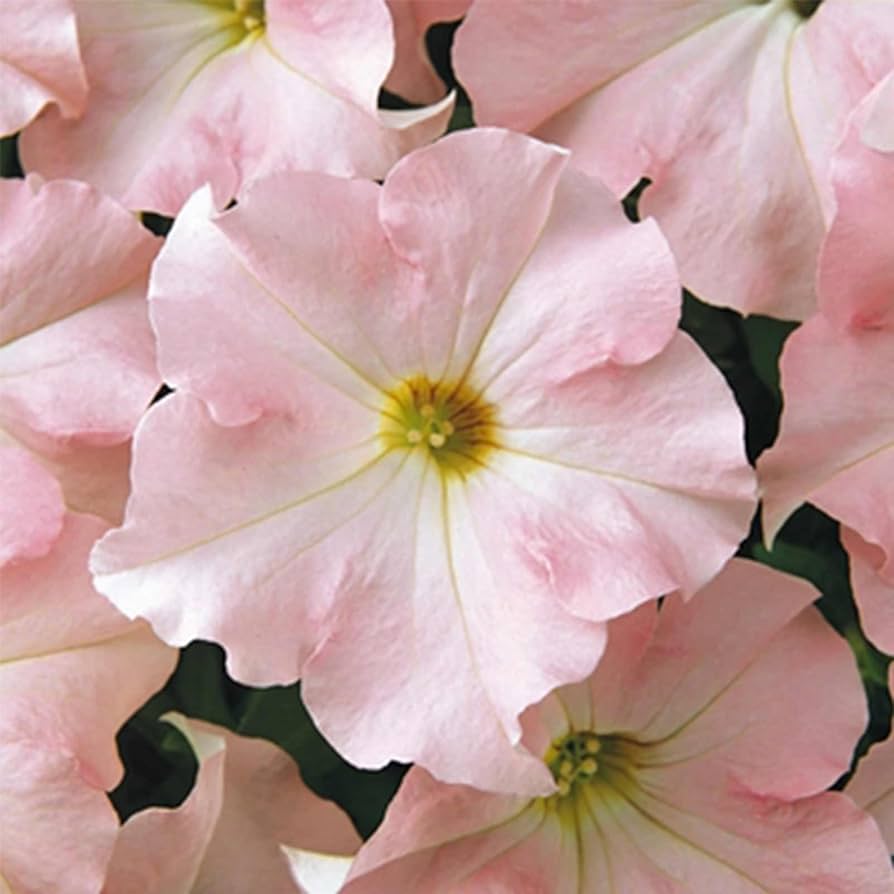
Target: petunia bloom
872 785
77 355
247 800
72 670
40 62
183 94
836 436
693 760
730 108
411 434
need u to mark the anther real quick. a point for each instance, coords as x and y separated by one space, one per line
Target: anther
447 427
592 746
436 439
589 766
566 768
251 23
427 411
564 787
414 436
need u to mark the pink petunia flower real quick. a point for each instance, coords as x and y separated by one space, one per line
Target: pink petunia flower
77 356
72 670
40 62
248 798
423 445
872 786
836 436
693 760
412 75
183 94
731 108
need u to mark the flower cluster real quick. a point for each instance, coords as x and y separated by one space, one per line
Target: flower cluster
429 355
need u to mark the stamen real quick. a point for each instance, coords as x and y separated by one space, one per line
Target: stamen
427 411
589 766
436 439
414 436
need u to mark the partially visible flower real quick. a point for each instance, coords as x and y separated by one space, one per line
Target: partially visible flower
422 448
730 108
693 760
183 94
872 786
72 670
836 434
248 798
40 62
77 355
412 75
873 591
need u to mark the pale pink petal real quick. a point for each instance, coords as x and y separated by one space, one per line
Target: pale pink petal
872 786
284 516
182 94
74 669
487 195
58 832
31 511
266 342
856 272
411 850
836 437
701 119
248 797
730 109
160 850
412 75
457 647
836 59
77 358
873 593
40 62
626 33
561 437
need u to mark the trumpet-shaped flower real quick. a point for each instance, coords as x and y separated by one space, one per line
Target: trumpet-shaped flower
730 108
77 356
836 435
72 670
247 800
221 91
423 446
40 62
694 759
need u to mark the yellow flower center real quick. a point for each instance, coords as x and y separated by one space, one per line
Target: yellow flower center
451 422
573 759
251 12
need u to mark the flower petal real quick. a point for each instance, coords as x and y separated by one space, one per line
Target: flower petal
182 95
836 435
41 64
247 798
